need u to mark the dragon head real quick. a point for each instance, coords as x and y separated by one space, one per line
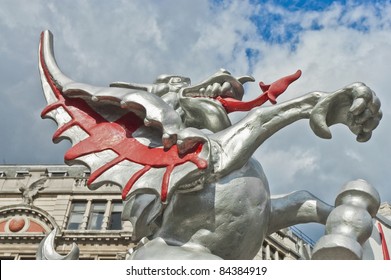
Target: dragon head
204 105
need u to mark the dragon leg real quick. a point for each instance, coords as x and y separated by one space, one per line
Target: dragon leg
296 208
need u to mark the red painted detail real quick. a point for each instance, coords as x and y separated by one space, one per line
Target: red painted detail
115 136
35 227
270 92
16 224
386 255
2 226
166 179
134 178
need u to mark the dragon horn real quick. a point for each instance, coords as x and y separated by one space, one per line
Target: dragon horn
46 56
245 79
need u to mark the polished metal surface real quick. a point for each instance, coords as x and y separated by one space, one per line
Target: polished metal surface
349 225
46 249
217 205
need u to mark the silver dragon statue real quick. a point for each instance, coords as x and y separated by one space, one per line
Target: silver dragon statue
190 186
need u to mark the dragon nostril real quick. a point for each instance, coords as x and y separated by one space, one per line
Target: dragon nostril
224 71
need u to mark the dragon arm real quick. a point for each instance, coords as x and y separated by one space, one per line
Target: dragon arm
356 106
239 142
297 208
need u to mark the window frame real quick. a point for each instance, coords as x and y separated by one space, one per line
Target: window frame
110 213
22 174
58 174
71 214
111 221
95 215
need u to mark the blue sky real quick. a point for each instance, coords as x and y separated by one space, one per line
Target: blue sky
334 43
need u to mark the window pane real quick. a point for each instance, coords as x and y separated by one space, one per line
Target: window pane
79 207
97 215
117 207
27 257
115 221
99 207
22 174
76 216
115 218
96 221
59 174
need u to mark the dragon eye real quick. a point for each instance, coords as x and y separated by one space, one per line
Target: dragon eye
175 80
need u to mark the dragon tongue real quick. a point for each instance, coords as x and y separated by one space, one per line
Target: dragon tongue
270 92
233 105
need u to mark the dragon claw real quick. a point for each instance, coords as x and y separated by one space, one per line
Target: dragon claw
356 106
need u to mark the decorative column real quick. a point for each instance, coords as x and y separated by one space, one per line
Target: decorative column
276 256
106 216
86 215
350 224
267 252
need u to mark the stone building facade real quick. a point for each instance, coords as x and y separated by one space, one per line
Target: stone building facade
35 199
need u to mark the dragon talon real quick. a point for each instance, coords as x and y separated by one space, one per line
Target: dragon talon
319 126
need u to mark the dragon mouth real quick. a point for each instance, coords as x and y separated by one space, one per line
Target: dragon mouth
218 87
207 105
228 91
213 90
204 106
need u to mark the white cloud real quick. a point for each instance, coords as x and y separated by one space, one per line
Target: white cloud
288 164
357 158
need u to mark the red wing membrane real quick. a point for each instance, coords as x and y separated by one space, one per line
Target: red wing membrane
115 136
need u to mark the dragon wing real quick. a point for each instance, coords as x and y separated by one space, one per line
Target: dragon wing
111 132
